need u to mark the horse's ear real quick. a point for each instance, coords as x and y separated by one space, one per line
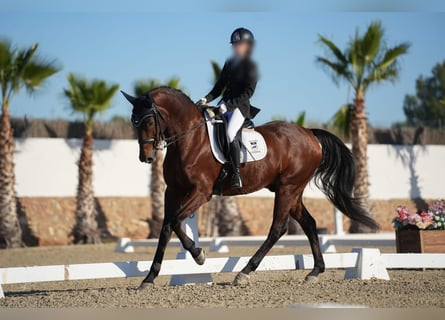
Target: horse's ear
130 98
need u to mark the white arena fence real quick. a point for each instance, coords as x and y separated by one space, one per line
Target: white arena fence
360 263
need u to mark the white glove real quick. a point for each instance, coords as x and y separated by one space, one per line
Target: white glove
201 102
222 108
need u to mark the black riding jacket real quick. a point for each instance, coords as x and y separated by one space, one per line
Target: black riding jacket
238 77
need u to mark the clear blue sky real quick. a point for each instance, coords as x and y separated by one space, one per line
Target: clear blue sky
122 41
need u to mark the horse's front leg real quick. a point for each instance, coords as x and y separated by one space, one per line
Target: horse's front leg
177 208
187 206
164 238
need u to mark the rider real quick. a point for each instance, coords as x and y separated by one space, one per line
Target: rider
237 84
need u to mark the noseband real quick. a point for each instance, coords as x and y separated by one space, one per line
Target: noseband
152 112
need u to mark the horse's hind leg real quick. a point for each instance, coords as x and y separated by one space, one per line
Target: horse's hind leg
304 218
283 202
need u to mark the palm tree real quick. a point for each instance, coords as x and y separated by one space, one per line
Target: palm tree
365 61
19 68
341 121
157 183
88 98
301 119
228 217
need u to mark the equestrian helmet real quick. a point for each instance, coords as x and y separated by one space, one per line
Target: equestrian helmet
241 35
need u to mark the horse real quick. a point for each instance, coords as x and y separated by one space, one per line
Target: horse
167 118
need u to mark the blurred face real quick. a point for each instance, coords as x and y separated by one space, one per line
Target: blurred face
241 49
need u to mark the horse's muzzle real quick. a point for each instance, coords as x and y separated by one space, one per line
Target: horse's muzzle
144 159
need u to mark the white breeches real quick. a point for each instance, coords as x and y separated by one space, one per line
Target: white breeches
235 120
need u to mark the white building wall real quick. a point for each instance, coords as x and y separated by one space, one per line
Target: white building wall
46 167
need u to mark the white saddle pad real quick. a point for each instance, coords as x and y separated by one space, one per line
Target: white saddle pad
253 147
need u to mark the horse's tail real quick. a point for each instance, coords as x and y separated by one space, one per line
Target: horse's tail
335 177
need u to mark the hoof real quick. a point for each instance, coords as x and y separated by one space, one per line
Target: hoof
201 258
311 279
145 286
241 279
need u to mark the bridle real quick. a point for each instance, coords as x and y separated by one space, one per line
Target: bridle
159 140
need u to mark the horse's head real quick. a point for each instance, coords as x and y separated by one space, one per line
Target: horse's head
146 119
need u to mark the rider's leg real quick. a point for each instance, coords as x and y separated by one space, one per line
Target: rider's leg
235 159
234 125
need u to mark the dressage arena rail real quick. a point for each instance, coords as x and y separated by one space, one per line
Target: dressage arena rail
328 243
360 263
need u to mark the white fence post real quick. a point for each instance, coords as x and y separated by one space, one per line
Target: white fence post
123 245
370 264
326 244
191 229
338 222
218 245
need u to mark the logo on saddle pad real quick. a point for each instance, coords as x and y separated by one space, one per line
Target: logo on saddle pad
253 146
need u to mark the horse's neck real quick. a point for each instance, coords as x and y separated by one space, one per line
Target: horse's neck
180 116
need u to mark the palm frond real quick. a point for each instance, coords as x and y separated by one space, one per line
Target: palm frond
357 58
6 56
342 119
174 82
22 68
89 97
390 56
301 119
338 70
387 68
24 56
372 41
144 85
6 67
216 70
333 48
35 73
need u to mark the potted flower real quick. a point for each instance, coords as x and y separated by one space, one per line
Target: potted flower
421 231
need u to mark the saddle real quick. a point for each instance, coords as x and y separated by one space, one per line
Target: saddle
253 145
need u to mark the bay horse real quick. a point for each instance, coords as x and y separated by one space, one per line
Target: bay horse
166 117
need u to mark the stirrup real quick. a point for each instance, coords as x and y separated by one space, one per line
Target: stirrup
237 182
223 173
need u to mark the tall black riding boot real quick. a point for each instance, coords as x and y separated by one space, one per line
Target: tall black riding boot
235 159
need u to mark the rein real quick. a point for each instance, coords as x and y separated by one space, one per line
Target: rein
170 140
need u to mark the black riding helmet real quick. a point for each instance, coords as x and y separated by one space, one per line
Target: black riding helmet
241 35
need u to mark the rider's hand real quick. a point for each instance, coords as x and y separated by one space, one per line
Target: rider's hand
222 109
201 102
